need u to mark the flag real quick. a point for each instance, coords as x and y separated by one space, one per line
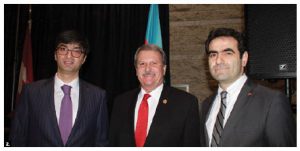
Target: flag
153 33
26 71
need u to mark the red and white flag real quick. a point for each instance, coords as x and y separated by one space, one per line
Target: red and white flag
26 71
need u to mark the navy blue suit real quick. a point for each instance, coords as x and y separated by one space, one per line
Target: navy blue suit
35 122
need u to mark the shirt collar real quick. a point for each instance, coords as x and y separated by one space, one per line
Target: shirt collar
155 93
58 83
236 85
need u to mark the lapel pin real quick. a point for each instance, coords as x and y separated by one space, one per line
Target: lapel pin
249 94
165 101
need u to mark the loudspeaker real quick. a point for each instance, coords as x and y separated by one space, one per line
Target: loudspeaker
271 40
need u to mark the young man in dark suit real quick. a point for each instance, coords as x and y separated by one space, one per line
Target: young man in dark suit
242 113
63 110
154 114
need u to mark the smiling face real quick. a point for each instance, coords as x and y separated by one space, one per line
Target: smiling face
67 64
225 64
150 69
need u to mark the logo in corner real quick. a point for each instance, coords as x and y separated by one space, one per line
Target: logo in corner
283 67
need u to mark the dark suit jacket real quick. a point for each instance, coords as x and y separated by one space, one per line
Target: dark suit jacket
260 117
175 123
35 122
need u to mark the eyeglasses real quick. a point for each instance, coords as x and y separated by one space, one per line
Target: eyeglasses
76 52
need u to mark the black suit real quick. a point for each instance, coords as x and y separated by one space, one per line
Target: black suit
35 122
260 117
175 123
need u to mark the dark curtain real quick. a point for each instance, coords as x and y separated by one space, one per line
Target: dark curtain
114 33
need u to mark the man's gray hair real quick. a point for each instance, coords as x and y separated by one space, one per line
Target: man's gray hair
150 47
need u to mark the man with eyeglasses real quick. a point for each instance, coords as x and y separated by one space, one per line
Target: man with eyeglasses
63 110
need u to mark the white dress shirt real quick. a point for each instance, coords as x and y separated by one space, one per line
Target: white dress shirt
232 93
59 94
152 104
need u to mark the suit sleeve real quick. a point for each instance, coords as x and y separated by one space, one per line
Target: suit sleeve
281 126
203 109
18 133
102 123
113 126
192 126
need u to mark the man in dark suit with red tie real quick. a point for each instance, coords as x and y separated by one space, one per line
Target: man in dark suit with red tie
242 113
63 110
154 114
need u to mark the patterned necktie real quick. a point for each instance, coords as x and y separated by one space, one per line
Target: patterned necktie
65 118
218 128
142 122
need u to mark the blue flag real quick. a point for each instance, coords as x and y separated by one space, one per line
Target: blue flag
153 33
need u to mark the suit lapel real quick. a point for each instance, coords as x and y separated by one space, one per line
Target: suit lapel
48 93
241 103
159 117
207 108
133 99
83 91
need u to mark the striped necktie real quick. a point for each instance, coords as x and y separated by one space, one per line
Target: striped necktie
218 128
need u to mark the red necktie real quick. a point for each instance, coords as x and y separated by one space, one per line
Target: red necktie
142 122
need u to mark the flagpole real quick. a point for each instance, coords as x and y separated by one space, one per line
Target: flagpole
16 58
29 21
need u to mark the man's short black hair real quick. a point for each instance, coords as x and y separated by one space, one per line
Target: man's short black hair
72 36
226 32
